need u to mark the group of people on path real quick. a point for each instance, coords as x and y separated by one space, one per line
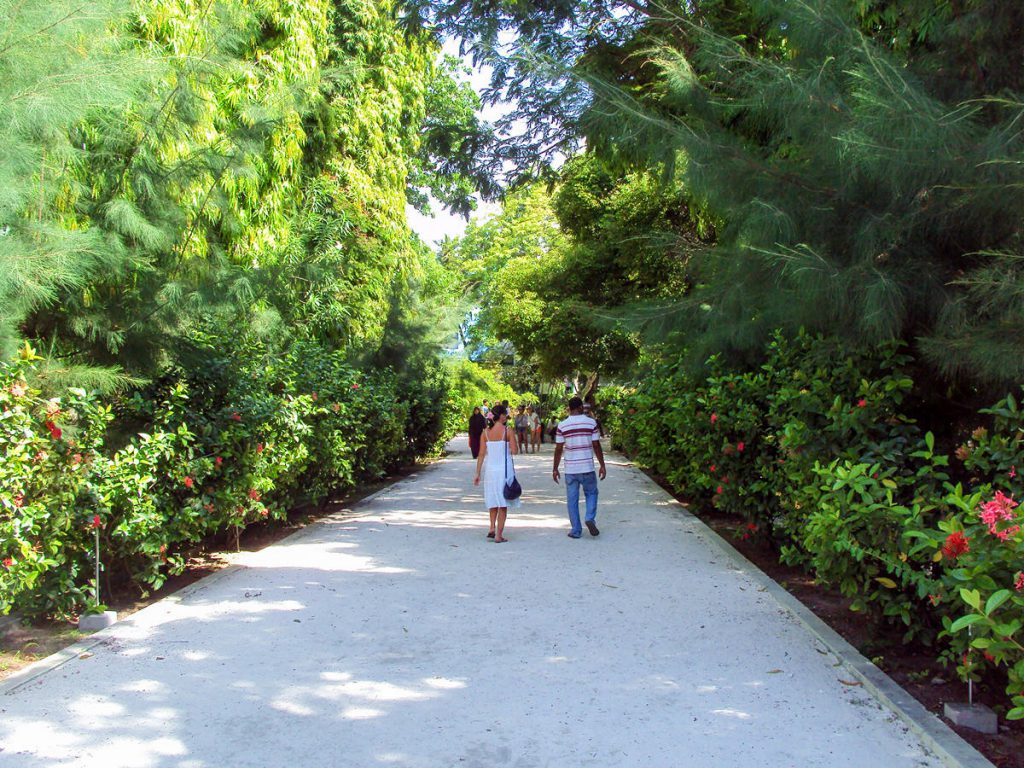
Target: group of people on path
526 421
577 438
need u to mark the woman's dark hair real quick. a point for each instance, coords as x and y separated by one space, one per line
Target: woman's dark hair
497 411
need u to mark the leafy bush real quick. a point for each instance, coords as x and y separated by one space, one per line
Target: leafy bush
228 440
815 451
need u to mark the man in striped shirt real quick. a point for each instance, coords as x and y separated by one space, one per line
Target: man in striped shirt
578 437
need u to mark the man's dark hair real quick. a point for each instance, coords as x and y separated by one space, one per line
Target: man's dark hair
497 410
575 403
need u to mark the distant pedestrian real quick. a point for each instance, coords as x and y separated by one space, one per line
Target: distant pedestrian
496 451
580 439
589 410
523 427
534 426
477 424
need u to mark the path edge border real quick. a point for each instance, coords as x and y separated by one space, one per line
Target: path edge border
947 745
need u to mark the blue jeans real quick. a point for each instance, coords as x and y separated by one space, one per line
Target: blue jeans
588 480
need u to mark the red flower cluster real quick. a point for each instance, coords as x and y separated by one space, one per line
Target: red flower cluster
55 432
956 545
714 417
1000 508
8 563
1018 583
254 495
189 482
259 447
355 386
862 403
740 446
18 501
96 522
218 461
236 416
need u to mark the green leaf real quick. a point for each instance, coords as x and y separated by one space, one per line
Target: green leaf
929 440
886 582
996 600
966 621
972 597
1017 713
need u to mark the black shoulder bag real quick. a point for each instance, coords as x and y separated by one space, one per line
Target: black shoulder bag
513 490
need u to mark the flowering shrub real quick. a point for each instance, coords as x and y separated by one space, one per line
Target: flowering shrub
814 450
230 441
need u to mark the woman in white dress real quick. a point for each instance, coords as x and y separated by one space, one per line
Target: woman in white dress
497 447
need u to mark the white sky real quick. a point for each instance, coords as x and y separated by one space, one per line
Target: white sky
434 229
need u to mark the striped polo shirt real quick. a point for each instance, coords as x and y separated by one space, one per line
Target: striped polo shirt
578 433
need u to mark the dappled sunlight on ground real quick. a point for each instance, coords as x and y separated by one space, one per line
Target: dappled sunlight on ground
396 634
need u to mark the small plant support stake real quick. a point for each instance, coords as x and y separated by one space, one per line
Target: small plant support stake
91 622
977 717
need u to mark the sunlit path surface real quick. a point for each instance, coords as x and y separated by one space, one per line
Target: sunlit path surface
397 635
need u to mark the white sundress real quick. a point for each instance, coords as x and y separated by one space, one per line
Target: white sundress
496 460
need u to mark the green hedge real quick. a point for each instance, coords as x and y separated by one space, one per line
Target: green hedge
234 438
816 452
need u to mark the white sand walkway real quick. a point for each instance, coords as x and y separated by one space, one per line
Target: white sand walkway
397 635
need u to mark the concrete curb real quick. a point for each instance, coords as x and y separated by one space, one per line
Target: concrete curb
933 733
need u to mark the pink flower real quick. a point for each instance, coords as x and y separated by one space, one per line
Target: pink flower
1006 533
714 468
1000 508
218 461
259 447
8 563
714 417
862 403
1018 583
740 446
96 522
355 386
18 389
718 489
189 482
956 545
1013 471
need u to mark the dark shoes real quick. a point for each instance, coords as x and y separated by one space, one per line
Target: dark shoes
574 535
592 528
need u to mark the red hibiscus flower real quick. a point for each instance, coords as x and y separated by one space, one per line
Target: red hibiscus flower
55 432
956 545
189 482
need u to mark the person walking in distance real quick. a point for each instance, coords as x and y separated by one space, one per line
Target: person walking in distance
495 460
578 437
477 424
